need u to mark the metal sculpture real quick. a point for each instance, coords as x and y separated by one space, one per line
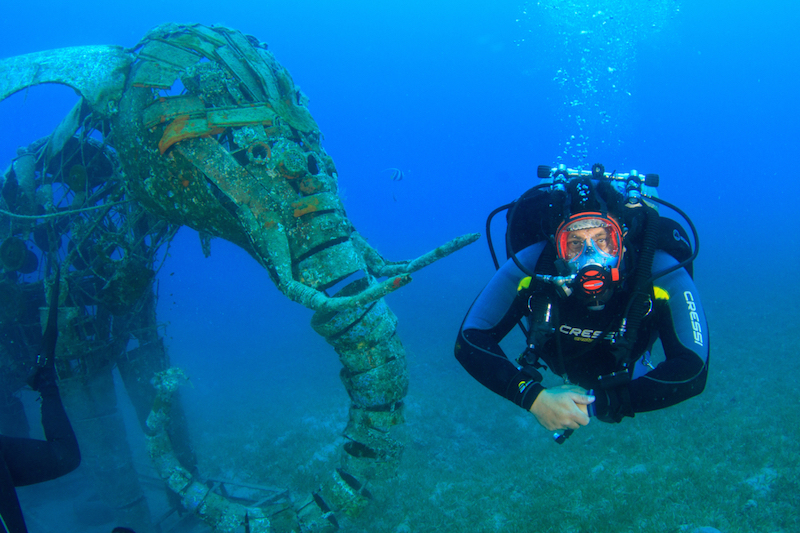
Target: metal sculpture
236 154
64 202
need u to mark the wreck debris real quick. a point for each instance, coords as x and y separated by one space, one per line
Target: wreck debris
74 211
236 154
217 511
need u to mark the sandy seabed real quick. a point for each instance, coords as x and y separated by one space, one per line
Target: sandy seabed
473 462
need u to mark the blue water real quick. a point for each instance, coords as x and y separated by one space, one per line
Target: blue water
467 98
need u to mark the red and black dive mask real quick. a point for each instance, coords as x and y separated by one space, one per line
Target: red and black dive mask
590 244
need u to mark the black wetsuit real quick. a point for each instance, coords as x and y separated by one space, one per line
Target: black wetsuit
29 461
677 319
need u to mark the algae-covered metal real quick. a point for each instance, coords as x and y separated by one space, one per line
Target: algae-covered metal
64 202
98 73
211 132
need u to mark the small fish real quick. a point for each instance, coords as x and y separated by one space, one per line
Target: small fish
396 174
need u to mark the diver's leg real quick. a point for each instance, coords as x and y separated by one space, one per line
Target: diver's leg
13 422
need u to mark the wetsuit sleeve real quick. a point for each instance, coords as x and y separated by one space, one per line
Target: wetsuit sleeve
683 331
490 318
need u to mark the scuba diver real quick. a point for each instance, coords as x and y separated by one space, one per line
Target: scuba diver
599 276
28 461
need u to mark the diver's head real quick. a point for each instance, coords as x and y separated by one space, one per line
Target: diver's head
590 238
589 242
590 245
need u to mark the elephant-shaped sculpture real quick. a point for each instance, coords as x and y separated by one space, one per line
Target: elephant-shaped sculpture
208 130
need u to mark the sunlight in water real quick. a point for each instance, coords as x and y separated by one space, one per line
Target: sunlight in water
598 44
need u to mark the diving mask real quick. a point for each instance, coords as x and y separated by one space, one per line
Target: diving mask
590 244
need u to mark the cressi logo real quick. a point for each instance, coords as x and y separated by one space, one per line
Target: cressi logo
694 318
584 335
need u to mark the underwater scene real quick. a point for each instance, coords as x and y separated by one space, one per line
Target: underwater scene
257 229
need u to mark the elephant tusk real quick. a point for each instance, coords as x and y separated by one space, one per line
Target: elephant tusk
319 301
398 275
408 267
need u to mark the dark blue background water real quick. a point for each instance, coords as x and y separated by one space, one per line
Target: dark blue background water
467 98
464 97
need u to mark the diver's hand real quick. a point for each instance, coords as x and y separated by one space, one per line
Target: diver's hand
562 407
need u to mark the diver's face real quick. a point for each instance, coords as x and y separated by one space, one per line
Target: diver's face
577 238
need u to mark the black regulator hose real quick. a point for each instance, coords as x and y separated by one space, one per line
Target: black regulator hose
489 233
640 296
695 236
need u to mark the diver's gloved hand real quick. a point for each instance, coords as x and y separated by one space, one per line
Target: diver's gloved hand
563 407
44 378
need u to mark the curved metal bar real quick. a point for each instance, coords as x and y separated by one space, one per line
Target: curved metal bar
98 73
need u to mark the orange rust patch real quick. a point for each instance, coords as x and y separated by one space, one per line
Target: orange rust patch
271 130
185 128
262 147
185 183
309 185
304 206
173 133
